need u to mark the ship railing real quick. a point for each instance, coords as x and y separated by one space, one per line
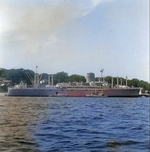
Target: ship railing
88 87
30 86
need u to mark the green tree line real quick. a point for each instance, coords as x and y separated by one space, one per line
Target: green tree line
131 83
18 75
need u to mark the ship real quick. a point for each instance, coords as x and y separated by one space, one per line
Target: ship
127 92
22 90
97 89
36 90
90 88
101 88
82 89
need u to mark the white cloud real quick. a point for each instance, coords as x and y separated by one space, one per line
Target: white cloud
26 26
52 33
96 2
83 8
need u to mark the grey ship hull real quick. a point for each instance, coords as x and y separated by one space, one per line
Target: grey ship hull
132 92
45 92
39 92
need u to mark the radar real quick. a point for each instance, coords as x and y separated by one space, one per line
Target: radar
102 70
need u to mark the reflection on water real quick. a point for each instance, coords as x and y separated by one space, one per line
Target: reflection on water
36 124
18 118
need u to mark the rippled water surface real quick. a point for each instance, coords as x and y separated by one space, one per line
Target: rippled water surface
63 124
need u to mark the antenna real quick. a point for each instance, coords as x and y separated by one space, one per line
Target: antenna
36 68
102 70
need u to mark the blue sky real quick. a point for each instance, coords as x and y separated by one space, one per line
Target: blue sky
76 36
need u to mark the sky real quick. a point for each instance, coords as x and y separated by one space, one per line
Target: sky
76 36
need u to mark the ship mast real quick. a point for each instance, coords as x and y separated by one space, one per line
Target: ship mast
102 70
36 78
50 79
30 78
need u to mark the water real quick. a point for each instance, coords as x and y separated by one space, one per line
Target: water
63 124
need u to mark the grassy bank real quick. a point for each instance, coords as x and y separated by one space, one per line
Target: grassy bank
2 91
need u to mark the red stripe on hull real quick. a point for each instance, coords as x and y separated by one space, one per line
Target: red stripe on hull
80 93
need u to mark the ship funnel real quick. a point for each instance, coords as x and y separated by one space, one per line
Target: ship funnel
90 77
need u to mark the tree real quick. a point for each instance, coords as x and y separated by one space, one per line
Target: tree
135 82
144 85
129 83
18 75
60 77
5 88
108 79
97 79
77 78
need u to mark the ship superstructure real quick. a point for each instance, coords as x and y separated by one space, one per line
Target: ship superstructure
48 90
98 88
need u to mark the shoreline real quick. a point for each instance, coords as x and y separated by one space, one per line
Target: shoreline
3 93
